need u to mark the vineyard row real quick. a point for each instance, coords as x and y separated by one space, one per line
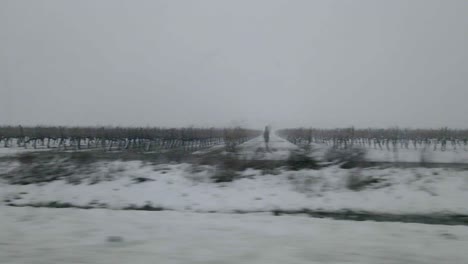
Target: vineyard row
392 138
121 138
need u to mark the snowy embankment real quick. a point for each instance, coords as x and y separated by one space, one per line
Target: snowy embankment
44 236
186 187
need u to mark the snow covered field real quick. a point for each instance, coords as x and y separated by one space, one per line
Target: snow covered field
412 155
405 155
46 236
15 151
186 187
190 187
189 234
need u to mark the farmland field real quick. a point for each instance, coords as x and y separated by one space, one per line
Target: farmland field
200 191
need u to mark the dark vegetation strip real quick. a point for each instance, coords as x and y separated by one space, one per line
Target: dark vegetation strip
367 164
432 219
350 215
214 158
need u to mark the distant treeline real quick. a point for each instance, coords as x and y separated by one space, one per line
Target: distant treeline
379 138
120 138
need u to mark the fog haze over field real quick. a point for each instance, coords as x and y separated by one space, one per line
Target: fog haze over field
216 63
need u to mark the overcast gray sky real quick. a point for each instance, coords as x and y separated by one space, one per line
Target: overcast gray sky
218 62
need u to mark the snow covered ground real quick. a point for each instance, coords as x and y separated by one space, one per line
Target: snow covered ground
190 235
49 236
278 149
186 187
11 151
412 155
405 155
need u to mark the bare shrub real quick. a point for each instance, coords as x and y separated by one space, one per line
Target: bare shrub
298 160
271 171
38 172
356 181
26 158
199 173
348 158
114 239
82 157
224 175
304 183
